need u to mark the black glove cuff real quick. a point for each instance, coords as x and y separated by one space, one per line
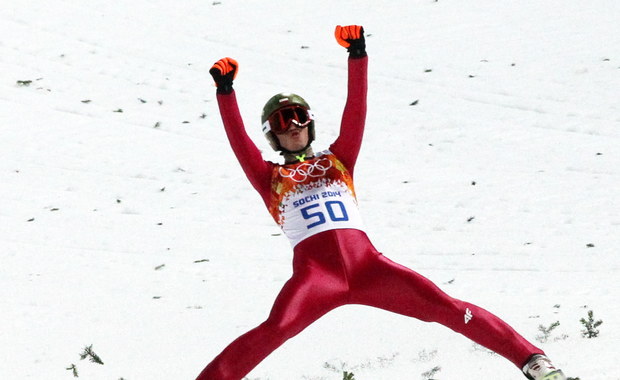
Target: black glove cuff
357 49
224 87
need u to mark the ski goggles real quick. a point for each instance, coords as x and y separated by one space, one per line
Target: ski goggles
283 119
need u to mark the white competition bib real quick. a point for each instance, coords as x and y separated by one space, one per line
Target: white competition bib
314 196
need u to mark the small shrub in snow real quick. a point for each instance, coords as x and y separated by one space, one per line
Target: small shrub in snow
591 330
430 374
86 353
546 331
73 370
91 355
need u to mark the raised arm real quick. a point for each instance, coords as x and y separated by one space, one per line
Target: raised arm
347 145
256 169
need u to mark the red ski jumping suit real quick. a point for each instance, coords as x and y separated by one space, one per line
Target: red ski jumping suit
334 262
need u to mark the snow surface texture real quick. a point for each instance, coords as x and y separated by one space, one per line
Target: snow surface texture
127 224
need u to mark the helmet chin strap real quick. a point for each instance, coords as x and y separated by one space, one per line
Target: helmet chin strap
297 156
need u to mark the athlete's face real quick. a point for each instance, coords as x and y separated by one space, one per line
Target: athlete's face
294 138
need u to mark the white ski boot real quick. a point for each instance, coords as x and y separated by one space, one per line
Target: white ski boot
540 368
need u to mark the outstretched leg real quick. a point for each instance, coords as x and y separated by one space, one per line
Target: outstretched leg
310 293
384 284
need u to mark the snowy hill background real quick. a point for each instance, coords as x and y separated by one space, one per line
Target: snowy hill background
127 224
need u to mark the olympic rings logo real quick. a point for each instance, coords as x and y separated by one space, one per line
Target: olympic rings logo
307 170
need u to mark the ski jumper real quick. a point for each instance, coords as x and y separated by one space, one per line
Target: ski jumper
334 262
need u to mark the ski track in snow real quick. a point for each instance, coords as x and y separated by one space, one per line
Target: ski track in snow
126 222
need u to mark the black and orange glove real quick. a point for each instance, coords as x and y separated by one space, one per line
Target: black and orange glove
352 37
223 73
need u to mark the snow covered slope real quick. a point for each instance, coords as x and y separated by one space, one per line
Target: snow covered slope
491 164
